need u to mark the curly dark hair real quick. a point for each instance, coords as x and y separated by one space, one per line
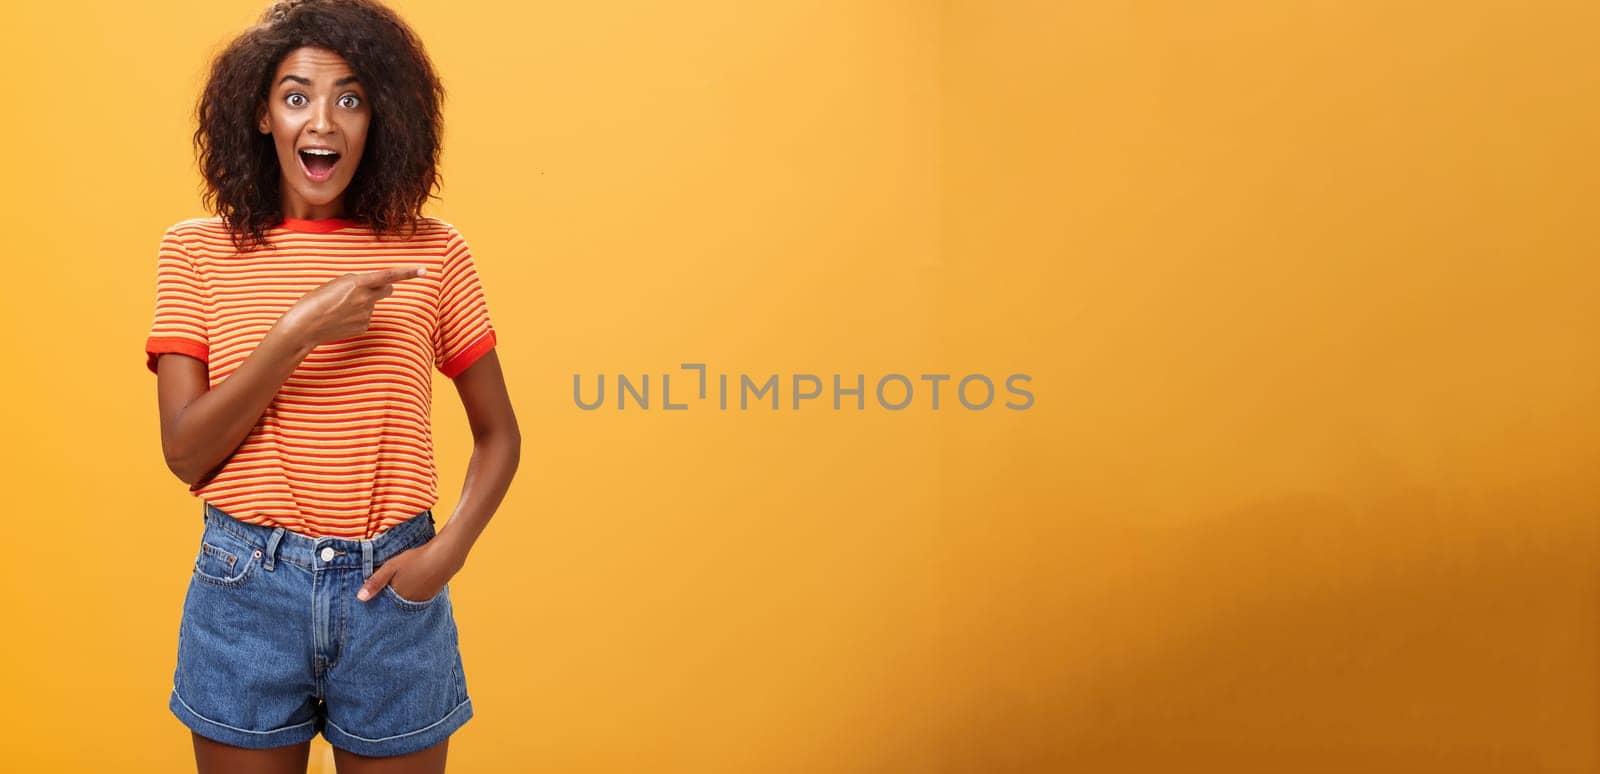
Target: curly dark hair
398 171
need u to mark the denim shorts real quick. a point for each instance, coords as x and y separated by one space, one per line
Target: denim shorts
274 646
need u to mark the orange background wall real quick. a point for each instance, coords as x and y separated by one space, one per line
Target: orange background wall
1306 292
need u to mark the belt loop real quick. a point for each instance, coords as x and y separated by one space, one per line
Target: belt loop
272 548
366 558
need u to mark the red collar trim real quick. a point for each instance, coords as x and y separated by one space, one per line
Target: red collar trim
321 226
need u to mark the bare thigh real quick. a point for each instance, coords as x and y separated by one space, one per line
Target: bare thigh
213 757
429 761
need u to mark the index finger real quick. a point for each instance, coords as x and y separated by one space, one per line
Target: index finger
381 277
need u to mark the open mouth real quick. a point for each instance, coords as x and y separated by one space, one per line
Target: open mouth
318 163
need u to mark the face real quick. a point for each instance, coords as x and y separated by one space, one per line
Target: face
317 114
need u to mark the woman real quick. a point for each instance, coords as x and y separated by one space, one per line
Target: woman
293 339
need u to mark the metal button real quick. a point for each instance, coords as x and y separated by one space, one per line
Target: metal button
327 553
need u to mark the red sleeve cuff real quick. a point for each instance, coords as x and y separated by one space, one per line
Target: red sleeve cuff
466 357
155 346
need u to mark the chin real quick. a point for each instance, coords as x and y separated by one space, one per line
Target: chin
320 198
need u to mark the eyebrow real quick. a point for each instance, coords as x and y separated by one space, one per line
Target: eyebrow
307 81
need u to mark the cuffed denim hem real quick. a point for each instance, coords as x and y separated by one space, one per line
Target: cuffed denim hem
400 744
240 737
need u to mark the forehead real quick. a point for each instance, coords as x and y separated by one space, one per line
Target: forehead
314 64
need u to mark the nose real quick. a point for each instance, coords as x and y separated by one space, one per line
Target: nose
321 118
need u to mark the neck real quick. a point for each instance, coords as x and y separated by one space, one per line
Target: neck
294 207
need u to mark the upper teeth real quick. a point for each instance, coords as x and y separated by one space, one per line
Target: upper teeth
321 151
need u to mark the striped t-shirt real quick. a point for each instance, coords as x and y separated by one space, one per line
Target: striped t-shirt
345 448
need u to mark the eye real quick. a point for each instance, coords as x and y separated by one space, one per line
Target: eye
350 101
296 100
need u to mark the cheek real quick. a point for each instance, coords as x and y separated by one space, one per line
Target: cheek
358 140
283 133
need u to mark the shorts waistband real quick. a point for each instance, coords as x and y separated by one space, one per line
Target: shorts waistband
277 543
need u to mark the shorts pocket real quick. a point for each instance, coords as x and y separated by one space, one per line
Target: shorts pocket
221 563
409 605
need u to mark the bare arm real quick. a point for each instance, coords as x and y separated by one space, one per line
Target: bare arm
201 428
496 452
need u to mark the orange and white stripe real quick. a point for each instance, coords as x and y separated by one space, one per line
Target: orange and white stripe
345 448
